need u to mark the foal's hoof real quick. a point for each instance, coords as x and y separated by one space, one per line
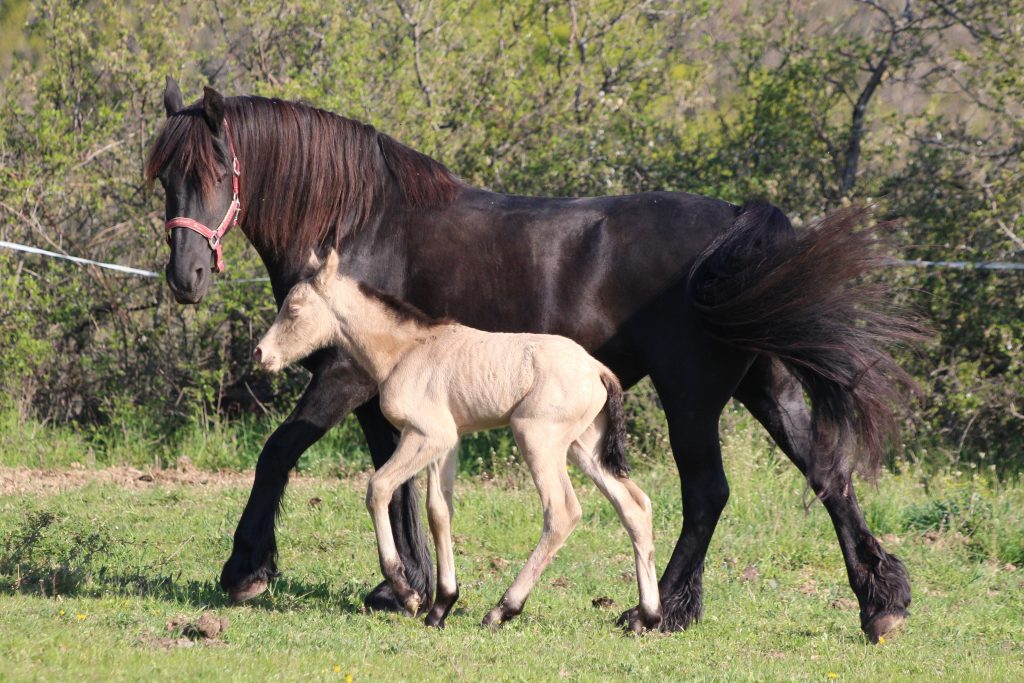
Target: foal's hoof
885 624
256 587
412 604
501 614
494 619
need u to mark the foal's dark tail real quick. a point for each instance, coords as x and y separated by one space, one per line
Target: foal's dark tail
801 298
613 453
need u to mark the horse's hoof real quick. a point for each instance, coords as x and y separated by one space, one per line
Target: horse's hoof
627 618
884 625
256 587
638 621
382 599
434 621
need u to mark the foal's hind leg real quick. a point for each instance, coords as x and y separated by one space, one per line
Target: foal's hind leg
440 485
878 579
634 508
414 452
561 514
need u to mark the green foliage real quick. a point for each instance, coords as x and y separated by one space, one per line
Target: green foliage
43 555
808 105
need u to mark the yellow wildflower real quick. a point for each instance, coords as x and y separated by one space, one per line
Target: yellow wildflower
833 674
80 616
348 678
881 640
337 669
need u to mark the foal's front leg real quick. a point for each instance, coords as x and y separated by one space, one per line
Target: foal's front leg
440 486
415 450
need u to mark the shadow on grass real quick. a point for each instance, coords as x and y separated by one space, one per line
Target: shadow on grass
50 556
284 595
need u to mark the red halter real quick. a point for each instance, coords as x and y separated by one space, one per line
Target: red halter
230 218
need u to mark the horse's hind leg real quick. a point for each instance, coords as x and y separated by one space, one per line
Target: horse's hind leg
634 509
694 377
414 452
561 514
878 579
440 485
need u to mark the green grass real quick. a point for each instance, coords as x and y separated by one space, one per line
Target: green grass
124 562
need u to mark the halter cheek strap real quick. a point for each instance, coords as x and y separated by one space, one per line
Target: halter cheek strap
213 237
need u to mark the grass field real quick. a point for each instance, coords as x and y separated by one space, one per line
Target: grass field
95 563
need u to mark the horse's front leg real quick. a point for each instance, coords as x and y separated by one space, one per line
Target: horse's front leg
335 389
381 437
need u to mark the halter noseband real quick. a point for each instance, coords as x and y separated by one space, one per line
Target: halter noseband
213 237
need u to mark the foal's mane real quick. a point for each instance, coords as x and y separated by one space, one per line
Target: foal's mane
402 310
308 177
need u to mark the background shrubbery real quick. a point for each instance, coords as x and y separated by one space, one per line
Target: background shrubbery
808 104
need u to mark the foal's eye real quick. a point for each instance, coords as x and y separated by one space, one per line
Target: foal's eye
293 310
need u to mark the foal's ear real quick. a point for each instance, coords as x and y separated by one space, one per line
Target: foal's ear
213 109
172 97
328 270
311 267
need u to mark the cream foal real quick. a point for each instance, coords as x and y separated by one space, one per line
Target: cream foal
438 380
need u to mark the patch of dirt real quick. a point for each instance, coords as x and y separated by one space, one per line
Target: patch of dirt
844 604
185 632
751 573
25 480
15 480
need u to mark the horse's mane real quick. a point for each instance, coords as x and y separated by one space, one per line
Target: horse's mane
308 177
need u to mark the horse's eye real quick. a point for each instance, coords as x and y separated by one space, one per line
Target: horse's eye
293 310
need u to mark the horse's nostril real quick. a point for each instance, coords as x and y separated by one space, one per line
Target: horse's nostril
257 354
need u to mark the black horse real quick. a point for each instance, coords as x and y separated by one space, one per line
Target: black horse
710 300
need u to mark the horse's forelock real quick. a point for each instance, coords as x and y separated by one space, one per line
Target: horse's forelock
185 140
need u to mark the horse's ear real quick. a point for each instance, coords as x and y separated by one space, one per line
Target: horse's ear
328 270
172 97
213 109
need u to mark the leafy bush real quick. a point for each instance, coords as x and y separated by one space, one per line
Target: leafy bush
920 111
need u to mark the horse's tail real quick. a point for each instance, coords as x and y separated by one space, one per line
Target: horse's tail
613 452
801 298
